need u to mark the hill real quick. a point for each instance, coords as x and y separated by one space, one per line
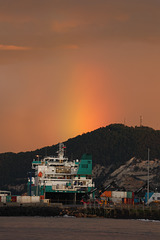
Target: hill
131 176
110 146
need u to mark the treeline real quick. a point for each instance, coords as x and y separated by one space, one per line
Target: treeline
111 145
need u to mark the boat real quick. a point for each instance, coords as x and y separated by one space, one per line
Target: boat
59 179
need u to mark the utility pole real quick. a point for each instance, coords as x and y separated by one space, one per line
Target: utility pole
148 179
30 176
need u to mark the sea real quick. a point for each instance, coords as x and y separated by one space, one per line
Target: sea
68 228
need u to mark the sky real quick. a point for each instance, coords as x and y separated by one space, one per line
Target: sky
68 67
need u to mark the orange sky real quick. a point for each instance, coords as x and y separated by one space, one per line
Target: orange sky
69 67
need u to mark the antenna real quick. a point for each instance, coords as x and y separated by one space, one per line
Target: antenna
141 118
124 121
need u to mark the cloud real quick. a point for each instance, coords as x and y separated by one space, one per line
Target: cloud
13 48
63 26
57 25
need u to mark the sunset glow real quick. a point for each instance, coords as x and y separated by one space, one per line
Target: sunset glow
69 67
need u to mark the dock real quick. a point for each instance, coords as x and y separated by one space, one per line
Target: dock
54 210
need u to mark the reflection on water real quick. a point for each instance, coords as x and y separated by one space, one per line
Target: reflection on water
48 228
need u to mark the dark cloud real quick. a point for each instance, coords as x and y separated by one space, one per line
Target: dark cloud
35 23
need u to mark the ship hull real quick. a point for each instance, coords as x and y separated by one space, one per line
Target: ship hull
64 197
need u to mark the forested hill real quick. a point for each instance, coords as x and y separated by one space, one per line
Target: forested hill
111 145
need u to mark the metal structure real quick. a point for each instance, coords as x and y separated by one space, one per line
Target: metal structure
60 179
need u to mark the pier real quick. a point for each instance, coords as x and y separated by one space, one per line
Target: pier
118 212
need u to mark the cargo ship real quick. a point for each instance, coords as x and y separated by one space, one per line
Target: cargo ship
60 179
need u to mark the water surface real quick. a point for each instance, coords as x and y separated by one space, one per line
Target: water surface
68 228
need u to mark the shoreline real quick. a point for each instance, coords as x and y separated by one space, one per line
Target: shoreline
59 210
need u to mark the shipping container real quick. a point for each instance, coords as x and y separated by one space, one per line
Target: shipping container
28 199
25 199
136 200
46 200
35 199
127 201
18 199
3 199
14 198
129 194
41 197
106 194
8 198
118 194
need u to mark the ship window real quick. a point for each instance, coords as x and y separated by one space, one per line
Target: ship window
88 177
158 198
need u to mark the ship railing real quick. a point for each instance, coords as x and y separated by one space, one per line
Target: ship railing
69 188
5 193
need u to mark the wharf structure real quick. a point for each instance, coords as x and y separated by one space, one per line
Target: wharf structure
61 180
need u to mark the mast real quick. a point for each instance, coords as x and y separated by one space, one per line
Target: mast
61 152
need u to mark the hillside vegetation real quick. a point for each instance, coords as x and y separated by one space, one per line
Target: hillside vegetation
110 146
